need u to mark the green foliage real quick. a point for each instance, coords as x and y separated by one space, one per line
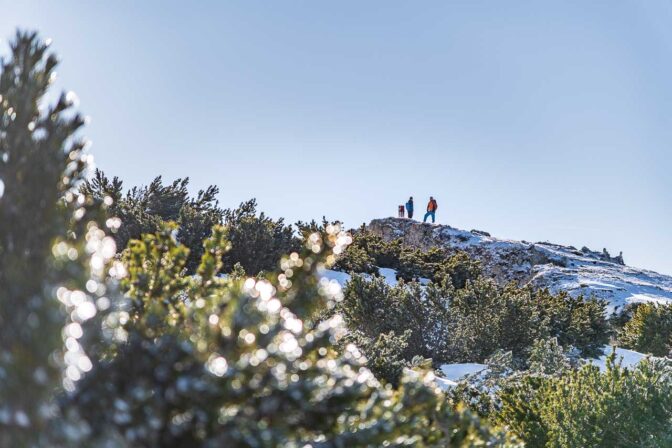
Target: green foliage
384 254
257 242
471 323
548 357
145 209
586 408
214 362
357 260
369 252
512 318
374 308
459 268
485 318
576 321
46 234
649 330
385 354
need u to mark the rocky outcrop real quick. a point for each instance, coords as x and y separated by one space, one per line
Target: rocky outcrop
544 264
503 260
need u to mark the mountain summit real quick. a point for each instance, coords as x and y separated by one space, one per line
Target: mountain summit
545 265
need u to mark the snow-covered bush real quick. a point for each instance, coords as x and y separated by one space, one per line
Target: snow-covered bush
481 390
548 357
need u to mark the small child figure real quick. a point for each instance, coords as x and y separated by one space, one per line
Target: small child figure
401 211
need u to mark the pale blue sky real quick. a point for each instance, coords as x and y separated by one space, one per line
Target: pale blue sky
531 120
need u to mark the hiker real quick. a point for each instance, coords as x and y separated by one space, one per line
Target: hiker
401 211
431 209
409 208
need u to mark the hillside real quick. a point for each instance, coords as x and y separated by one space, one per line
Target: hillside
543 264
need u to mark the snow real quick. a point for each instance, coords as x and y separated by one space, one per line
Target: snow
617 284
390 276
628 358
584 274
444 384
456 372
340 277
453 373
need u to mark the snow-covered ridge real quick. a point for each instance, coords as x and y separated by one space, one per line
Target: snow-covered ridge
559 268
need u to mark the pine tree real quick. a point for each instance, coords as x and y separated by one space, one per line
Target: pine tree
257 241
372 307
145 209
50 244
576 321
486 318
585 407
548 357
649 330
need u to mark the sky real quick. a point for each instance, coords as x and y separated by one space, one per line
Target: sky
542 121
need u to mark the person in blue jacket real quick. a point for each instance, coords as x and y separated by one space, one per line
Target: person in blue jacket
409 207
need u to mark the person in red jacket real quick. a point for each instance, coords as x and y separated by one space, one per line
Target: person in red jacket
431 209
